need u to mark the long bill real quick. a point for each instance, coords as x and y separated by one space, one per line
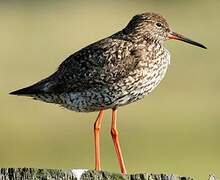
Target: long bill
173 35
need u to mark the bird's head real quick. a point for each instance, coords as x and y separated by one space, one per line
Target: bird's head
152 26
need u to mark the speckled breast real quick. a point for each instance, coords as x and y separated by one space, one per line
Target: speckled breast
145 80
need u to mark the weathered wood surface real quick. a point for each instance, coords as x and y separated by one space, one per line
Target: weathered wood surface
77 174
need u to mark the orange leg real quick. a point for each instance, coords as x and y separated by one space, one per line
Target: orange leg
97 127
114 133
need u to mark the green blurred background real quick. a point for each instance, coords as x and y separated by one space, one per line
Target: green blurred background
174 130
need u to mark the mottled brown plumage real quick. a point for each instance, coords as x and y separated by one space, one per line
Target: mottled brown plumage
112 72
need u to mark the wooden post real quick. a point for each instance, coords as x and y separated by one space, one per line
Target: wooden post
80 174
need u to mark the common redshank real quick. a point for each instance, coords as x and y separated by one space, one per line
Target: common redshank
110 73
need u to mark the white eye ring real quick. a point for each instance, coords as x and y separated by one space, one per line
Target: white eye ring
158 24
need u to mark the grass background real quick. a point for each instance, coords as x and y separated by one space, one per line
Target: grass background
174 130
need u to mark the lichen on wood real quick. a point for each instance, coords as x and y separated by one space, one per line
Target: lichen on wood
79 174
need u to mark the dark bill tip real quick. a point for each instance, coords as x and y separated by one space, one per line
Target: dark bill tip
176 36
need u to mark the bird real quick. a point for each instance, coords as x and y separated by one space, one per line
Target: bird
110 73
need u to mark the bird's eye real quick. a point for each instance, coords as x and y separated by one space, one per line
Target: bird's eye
158 24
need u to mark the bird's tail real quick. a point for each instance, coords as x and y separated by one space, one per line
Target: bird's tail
28 91
24 91
48 85
45 86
